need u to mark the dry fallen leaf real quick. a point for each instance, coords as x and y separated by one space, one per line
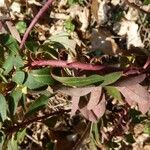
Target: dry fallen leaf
2 3
13 31
16 7
102 12
101 40
130 28
132 14
82 13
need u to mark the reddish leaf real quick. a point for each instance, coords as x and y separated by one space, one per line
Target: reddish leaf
131 81
95 108
94 97
77 91
75 102
99 110
136 94
96 113
88 114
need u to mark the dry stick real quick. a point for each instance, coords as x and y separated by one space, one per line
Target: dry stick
24 124
133 5
83 136
34 21
65 64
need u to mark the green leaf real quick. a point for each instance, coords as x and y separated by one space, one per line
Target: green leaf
12 61
51 122
12 144
39 78
63 38
79 81
147 128
8 64
3 107
129 138
18 62
10 42
112 91
16 96
37 105
21 27
32 46
146 2
111 78
96 134
20 135
69 26
19 77
72 2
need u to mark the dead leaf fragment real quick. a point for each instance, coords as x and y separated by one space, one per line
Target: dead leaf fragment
101 40
102 12
2 3
13 31
130 28
82 13
16 7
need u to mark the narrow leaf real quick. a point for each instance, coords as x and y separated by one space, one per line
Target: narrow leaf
77 91
111 78
13 31
79 81
3 107
37 105
16 96
131 81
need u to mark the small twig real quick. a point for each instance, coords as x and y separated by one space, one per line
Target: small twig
133 5
65 64
83 136
23 124
34 21
34 140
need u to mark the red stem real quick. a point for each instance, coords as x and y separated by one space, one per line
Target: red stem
65 64
34 21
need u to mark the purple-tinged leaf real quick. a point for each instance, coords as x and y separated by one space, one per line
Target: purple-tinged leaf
136 94
131 81
75 102
96 113
88 114
77 91
94 97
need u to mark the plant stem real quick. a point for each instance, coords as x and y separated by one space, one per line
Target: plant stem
34 21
